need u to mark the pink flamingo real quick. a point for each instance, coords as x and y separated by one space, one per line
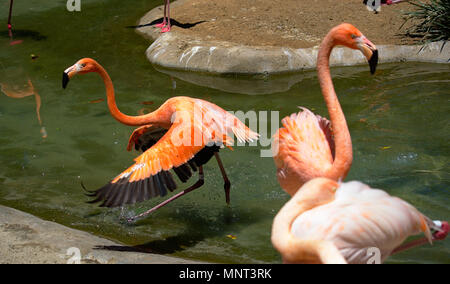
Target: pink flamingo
309 146
165 25
328 222
181 135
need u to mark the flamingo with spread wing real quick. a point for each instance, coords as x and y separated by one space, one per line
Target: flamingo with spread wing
182 135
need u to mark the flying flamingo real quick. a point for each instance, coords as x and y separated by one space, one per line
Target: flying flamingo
327 222
29 91
182 134
165 25
309 146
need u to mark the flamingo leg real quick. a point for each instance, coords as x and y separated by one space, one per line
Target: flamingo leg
163 24
10 26
410 245
227 184
38 107
166 28
38 101
168 13
10 15
198 184
437 236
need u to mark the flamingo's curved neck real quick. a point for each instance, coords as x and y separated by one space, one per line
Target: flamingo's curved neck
150 118
343 143
293 249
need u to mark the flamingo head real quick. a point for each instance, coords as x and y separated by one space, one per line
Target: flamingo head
83 66
349 36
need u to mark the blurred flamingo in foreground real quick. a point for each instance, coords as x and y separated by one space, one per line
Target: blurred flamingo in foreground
308 145
165 25
327 222
183 134
29 91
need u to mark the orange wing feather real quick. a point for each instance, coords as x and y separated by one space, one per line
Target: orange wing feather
197 125
303 149
203 125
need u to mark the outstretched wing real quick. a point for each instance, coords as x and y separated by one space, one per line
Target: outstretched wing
189 143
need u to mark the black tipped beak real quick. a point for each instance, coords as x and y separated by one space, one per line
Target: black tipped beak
373 61
65 80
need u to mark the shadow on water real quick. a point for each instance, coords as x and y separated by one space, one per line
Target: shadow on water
24 34
173 22
195 232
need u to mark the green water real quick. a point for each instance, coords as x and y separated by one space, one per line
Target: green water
398 120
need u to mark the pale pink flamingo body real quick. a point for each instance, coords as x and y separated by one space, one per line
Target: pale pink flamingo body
328 222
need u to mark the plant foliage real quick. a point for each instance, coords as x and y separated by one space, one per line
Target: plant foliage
433 20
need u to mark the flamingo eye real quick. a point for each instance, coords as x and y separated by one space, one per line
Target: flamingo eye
353 36
83 65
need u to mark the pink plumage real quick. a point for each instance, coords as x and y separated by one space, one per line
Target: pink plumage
360 218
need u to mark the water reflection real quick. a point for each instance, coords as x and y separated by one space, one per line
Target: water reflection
258 84
22 91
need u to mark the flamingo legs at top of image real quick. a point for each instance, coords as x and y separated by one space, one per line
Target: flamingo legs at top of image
12 41
165 25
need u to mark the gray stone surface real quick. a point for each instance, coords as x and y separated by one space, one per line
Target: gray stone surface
28 239
172 50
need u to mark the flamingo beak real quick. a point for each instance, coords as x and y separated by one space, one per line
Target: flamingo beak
65 80
68 74
370 51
